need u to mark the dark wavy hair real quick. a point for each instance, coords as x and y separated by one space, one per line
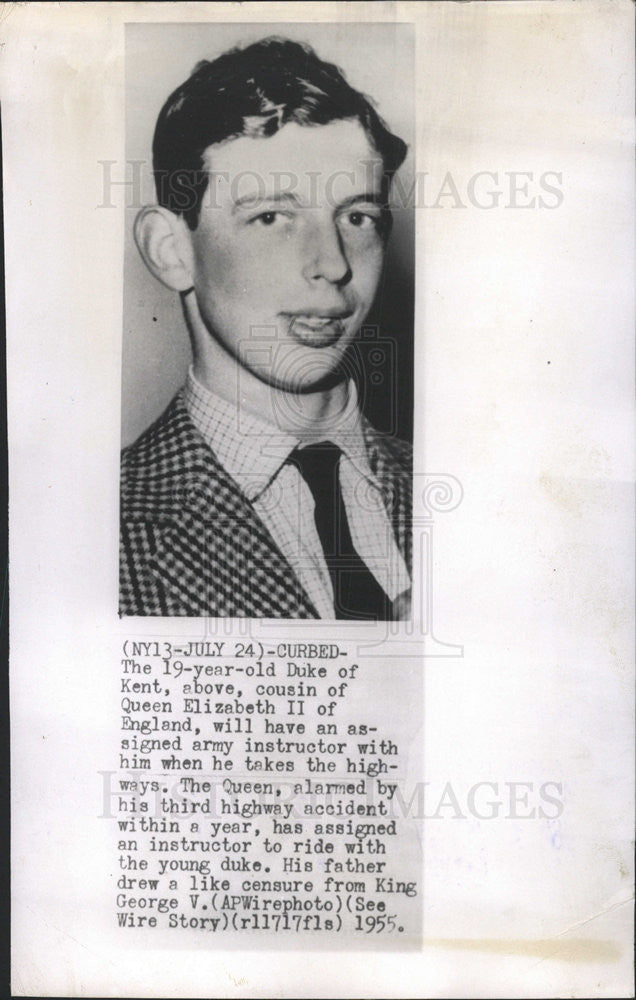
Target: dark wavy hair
253 91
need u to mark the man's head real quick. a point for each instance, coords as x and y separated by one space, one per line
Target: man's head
253 92
272 179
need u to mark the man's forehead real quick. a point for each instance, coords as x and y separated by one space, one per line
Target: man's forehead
336 159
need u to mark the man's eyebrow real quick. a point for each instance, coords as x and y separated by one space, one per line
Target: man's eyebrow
372 197
287 197
248 200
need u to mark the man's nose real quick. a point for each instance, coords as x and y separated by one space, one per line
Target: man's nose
325 256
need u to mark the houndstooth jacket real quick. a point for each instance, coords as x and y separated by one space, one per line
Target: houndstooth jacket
191 542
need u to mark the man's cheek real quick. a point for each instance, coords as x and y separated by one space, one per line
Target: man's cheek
367 265
247 275
367 286
216 262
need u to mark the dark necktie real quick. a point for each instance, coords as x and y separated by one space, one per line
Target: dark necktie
356 592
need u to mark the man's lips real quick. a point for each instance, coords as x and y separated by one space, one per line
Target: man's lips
319 314
317 328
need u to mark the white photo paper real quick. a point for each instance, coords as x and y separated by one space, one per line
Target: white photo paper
320 387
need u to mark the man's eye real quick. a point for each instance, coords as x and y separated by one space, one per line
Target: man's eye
360 220
268 218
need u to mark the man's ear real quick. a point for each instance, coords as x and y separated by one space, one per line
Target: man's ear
164 246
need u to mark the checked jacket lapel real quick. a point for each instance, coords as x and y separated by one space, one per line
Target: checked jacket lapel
192 542
391 462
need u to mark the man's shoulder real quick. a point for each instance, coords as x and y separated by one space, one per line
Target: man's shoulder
154 441
159 464
387 453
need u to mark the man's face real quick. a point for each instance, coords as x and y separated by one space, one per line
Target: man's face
288 249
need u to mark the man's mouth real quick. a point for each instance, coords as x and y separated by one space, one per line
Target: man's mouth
314 329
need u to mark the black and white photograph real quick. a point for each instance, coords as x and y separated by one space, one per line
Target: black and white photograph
320 586
277 482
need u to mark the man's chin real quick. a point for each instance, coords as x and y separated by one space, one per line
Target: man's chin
310 376
304 367
305 386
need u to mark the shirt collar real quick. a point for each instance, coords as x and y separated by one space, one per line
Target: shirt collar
345 430
252 450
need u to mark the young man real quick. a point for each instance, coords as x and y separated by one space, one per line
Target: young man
262 491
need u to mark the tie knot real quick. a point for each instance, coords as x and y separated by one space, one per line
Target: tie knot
318 465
